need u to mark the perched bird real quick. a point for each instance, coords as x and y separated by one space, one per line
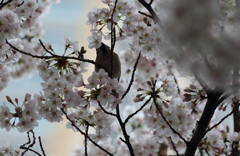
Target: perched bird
103 60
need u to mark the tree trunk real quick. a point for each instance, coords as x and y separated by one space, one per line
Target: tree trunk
236 120
202 124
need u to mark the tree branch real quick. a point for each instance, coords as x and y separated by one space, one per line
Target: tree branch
85 140
44 47
26 148
132 77
151 11
150 3
53 56
236 128
79 130
126 136
105 111
131 115
170 126
174 147
30 144
113 38
202 124
225 117
143 13
4 4
41 146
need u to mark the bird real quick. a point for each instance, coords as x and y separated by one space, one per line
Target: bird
103 60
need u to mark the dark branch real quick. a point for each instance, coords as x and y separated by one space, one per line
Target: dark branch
225 117
174 147
44 47
124 131
170 126
235 108
4 4
85 135
29 141
26 148
41 146
236 123
122 140
49 57
104 110
143 13
85 141
131 115
30 144
201 128
151 11
113 38
132 77
150 3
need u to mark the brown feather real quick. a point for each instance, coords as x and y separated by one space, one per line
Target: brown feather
104 60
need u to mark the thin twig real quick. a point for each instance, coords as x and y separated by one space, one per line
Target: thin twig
150 3
170 126
236 116
132 77
85 141
29 141
44 47
41 146
122 140
4 4
104 110
151 11
79 130
113 38
30 144
229 114
124 131
174 147
143 13
53 56
31 150
131 115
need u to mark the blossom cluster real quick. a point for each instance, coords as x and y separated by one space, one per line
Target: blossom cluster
178 115
220 141
24 117
19 25
204 42
104 95
143 32
143 142
9 150
200 41
60 92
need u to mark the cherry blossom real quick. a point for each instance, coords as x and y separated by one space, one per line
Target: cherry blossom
164 41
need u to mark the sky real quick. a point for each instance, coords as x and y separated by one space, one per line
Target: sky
66 19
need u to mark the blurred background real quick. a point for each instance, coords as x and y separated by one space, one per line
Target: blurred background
66 19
